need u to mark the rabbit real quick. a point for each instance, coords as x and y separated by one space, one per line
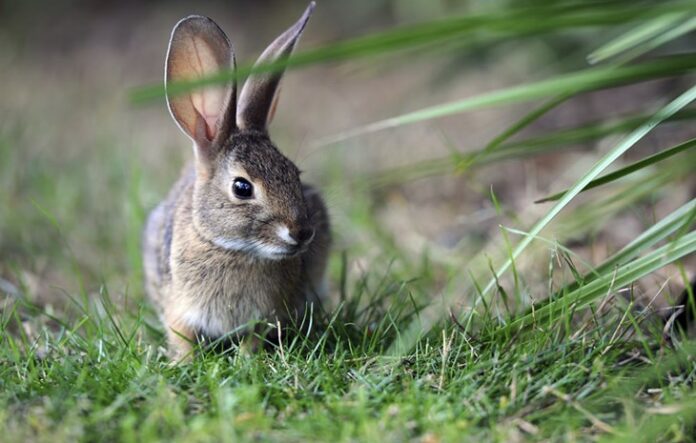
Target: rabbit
239 238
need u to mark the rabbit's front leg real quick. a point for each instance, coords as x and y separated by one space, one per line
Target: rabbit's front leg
181 339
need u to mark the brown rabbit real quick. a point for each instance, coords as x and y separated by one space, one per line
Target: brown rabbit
239 238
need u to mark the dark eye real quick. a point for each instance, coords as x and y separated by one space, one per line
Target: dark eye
241 188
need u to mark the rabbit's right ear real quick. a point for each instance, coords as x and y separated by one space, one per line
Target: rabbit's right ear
199 48
259 93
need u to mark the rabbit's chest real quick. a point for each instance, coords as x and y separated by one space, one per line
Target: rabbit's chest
223 294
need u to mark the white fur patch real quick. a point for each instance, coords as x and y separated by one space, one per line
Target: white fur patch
231 244
270 251
284 234
199 321
256 248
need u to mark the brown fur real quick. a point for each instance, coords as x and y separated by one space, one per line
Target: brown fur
215 262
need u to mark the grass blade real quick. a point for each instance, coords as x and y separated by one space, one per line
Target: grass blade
411 335
609 158
624 275
573 83
543 143
660 40
640 34
674 222
679 220
637 166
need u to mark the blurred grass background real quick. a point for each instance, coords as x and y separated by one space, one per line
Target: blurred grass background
81 164
414 205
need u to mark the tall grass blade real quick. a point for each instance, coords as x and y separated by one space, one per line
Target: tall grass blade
678 221
573 83
672 34
664 113
642 33
411 335
633 167
623 276
533 145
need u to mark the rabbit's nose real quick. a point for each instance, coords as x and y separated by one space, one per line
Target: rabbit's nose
303 235
295 236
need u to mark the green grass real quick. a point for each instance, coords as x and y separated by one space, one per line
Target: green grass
101 377
508 338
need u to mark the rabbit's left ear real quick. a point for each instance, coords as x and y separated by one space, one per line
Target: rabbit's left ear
257 99
199 48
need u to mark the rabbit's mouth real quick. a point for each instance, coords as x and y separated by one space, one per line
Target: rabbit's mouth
290 251
284 255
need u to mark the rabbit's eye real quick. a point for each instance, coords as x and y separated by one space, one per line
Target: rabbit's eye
241 188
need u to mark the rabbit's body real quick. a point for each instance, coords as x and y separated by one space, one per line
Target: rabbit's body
239 237
209 290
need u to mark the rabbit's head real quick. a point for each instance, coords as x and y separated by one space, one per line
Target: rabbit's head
247 195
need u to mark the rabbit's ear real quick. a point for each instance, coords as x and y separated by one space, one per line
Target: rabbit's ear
256 101
199 48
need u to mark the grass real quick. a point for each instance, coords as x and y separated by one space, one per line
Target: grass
513 337
101 377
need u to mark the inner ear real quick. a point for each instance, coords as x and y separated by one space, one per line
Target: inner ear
209 104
